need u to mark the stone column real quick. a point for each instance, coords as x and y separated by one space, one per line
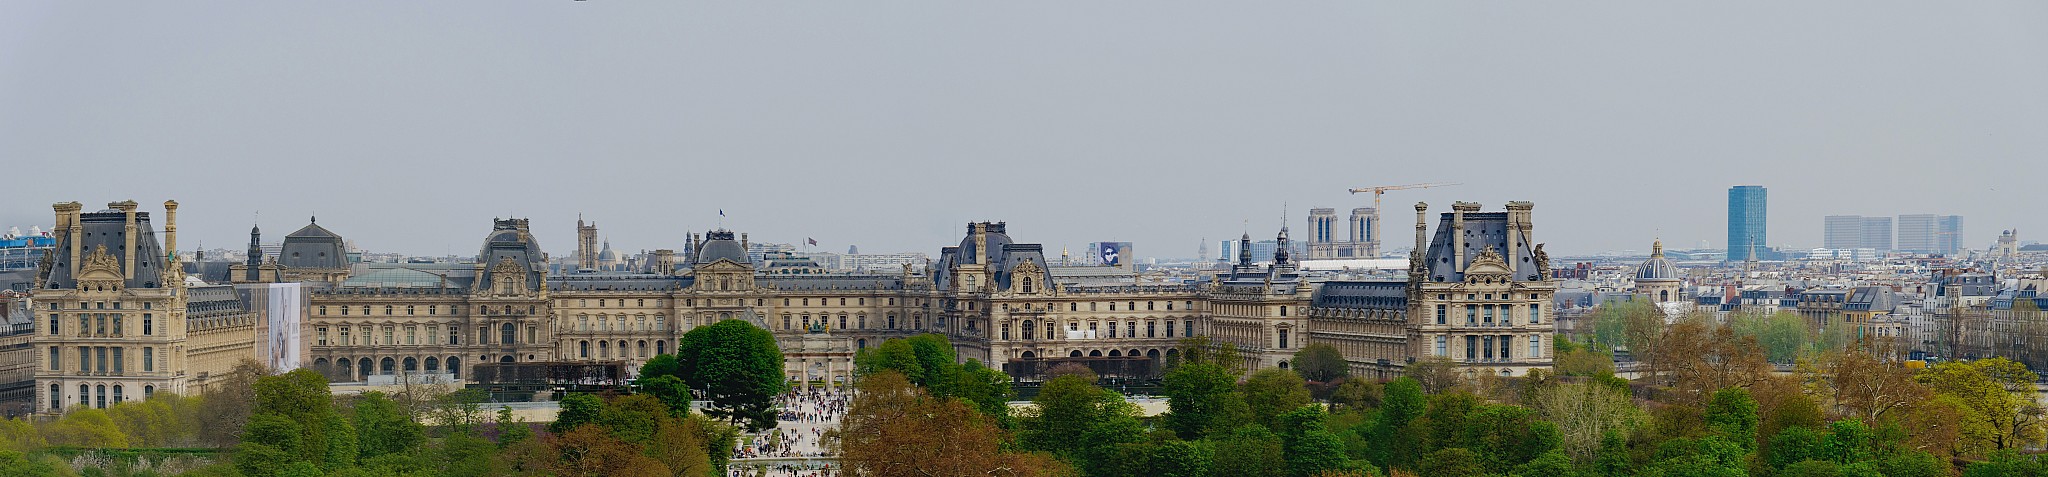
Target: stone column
127 208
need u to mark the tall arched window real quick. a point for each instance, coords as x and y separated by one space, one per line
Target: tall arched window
584 349
507 334
455 367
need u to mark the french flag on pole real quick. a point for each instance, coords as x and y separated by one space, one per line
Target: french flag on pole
812 241
721 212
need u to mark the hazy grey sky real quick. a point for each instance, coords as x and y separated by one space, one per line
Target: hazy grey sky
408 126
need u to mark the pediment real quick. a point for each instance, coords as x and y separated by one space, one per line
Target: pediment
1488 265
723 265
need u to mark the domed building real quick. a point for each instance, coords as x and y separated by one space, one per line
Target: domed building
1657 278
608 260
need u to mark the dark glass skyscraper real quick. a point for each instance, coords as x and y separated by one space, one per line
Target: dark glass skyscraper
1746 205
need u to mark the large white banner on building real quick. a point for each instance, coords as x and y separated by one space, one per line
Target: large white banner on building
283 308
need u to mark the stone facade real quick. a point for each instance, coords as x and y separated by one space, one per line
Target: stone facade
116 320
1476 294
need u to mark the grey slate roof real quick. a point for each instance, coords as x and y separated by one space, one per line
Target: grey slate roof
312 246
1483 230
720 244
104 229
1375 295
618 282
834 282
509 240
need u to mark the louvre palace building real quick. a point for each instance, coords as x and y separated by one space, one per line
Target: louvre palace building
118 309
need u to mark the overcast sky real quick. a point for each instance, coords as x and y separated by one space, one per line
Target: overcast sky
407 126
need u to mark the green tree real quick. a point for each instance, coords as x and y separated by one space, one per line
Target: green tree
298 418
1784 336
987 388
90 428
1585 412
16 464
1507 436
2006 463
633 418
738 368
1793 445
1812 468
576 410
1168 458
892 355
1574 359
935 356
511 430
1201 398
19 436
1732 414
1392 436
1309 445
1551 464
1204 349
460 411
1272 392
1356 393
382 428
1452 462
670 390
1444 421
1080 423
662 365
1250 450
2002 411
1320 362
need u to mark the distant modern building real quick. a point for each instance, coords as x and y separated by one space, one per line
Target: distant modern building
1746 233
1110 253
1929 233
1856 231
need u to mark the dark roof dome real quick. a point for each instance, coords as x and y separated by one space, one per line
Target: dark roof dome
312 230
1657 267
313 246
720 244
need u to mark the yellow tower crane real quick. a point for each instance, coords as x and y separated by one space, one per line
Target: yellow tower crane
1372 238
1382 190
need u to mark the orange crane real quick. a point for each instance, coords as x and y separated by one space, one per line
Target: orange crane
1382 190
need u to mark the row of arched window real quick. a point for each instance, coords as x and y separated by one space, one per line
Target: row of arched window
96 396
362 368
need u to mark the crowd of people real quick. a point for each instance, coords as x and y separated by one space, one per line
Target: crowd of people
804 419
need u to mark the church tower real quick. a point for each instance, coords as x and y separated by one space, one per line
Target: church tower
586 244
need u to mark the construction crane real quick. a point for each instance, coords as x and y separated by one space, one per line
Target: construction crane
1382 190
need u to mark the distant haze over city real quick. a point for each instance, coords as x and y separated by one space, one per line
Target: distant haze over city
406 127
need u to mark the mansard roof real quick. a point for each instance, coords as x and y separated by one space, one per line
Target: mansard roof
1483 230
106 229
